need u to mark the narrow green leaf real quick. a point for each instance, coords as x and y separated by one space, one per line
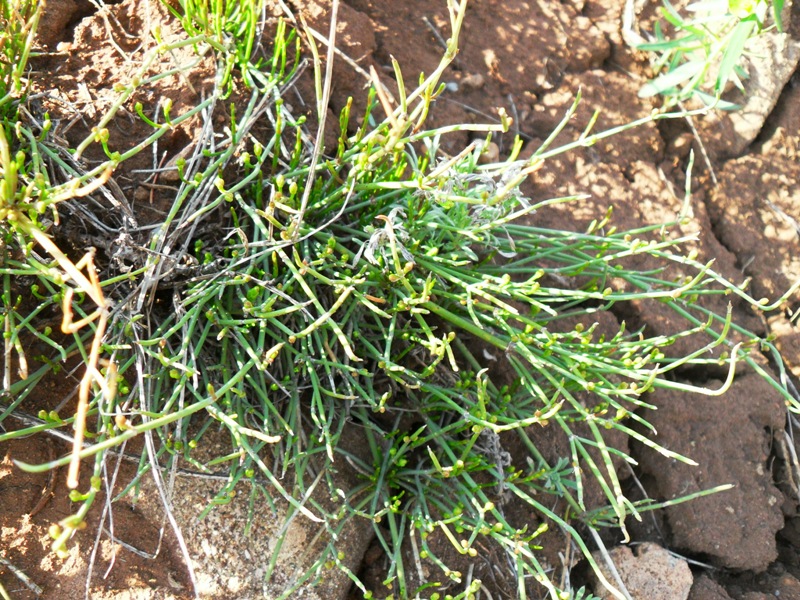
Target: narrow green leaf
681 43
671 16
777 9
733 53
674 18
717 103
671 79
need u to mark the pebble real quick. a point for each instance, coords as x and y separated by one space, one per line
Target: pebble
473 82
490 154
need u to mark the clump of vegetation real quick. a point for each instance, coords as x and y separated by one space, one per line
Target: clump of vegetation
377 285
698 57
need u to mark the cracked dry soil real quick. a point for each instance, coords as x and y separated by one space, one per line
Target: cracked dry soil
529 57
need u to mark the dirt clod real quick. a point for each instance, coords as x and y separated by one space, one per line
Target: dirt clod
530 59
650 572
734 529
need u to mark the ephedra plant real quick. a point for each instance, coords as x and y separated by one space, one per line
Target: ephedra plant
382 284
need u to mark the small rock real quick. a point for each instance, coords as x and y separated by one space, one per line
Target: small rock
651 574
705 588
489 154
141 194
473 82
788 586
681 145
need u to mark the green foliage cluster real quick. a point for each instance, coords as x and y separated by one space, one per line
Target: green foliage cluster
699 56
382 286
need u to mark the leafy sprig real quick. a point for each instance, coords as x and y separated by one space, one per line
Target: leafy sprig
699 56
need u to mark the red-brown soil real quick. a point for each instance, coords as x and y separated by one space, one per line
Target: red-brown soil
530 58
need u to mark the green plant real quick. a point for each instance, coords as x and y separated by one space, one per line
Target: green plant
582 594
231 28
18 22
29 198
365 286
702 54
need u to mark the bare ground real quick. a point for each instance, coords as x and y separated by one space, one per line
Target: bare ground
531 58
